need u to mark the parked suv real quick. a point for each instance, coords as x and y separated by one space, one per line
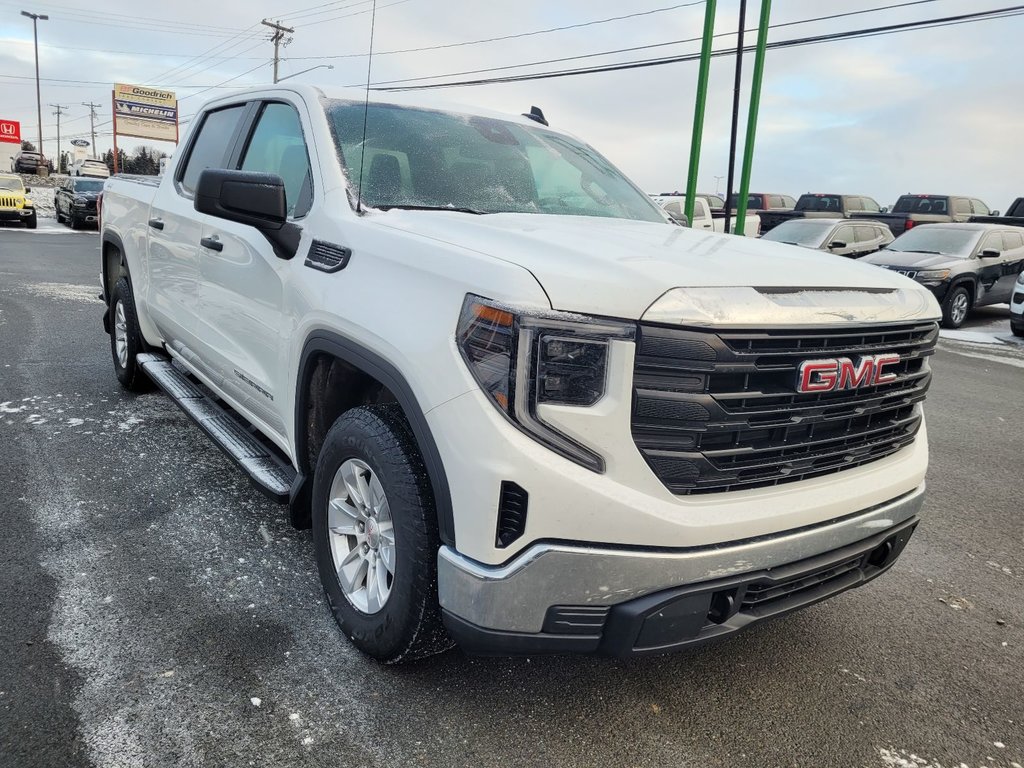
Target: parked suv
842 237
964 265
519 408
75 201
27 162
95 168
14 203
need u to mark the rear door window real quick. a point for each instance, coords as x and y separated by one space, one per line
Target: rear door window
1012 240
866 234
211 146
961 206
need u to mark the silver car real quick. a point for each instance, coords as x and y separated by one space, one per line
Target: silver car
843 237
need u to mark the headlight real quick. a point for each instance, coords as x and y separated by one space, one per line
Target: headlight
1020 279
933 274
80 201
523 360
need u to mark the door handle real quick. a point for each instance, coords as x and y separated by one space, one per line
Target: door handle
156 223
213 243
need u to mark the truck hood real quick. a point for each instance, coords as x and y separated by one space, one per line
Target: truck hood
616 267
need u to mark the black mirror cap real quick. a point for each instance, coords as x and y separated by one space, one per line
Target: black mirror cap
255 199
991 253
837 244
28 189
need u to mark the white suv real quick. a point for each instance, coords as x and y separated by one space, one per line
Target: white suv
95 168
518 407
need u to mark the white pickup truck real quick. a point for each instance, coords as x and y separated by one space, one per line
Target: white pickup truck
519 409
675 206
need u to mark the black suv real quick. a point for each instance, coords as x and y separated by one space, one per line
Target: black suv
964 265
75 200
27 162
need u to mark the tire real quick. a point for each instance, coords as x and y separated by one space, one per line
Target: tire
1018 330
375 443
955 307
73 220
124 327
32 221
58 214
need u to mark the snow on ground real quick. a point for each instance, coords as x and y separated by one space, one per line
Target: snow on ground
892 758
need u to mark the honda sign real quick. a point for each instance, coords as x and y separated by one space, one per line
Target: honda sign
10 131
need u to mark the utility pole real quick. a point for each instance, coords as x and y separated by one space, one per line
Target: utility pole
60 111
36 17
92 123
276 39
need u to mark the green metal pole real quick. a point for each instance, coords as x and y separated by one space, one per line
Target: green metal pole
755 105
698 108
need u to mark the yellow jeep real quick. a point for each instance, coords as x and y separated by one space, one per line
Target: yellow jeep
14 202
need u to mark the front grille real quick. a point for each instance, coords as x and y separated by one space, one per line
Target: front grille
6 201
765 593
719 411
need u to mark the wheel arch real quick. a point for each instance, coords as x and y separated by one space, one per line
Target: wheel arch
113 265
328 343
968 281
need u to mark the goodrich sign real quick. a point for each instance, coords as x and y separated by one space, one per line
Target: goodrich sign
145 113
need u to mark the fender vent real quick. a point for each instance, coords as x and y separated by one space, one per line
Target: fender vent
511 513
327 257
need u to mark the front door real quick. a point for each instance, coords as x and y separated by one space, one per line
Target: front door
241 296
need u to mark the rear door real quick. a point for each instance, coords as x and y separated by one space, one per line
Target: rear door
175 229
1012 262
869 239
242 280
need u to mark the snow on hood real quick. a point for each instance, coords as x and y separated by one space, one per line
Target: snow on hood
617 267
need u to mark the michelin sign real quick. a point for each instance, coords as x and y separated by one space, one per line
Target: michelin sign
145 113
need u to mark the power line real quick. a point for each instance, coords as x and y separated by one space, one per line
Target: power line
222 84
650 46
338 5
120 53
80 12
355 13
1008 12
208 54
532 33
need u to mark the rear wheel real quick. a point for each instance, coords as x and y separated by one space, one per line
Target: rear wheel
1018 330
126 339
375 536
955 307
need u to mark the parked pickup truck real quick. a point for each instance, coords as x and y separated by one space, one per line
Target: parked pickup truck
1014 215
675 206
519 409
913 210
764 201
820 206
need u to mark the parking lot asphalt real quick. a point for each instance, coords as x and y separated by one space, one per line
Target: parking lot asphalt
155 610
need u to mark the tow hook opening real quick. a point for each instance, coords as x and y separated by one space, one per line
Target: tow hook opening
723 606
879 556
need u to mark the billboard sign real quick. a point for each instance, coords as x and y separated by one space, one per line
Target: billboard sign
10 131
145 113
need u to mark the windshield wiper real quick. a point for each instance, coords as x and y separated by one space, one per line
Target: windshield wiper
455 208
931 253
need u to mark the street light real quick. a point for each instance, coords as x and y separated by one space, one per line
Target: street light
36 17
318 66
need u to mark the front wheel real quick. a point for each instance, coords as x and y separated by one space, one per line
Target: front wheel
1018 330
32 221
955 307
375 536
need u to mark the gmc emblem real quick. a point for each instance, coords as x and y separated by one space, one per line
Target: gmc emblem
842 373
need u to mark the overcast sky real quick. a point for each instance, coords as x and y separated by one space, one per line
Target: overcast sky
935 110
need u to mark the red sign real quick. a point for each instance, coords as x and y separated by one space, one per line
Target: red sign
10 131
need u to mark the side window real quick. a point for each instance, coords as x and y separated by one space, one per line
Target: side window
870 205
277 146
1012 241
788 202
866 234
980 208
675 208
845 235
961 206
211 145
854 204
993 242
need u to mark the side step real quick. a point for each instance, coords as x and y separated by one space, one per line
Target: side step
268 470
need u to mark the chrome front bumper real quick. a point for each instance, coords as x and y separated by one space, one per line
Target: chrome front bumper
515 597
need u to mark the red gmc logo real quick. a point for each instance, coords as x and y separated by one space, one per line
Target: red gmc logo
842 373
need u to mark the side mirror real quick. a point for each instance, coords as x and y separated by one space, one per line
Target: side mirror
679 218
991 253
994 213
254 199
28 189
836 245
884 209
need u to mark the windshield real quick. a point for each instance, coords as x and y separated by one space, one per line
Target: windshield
819 203
935 239
921 204
417 158
83 185
806 232
12 183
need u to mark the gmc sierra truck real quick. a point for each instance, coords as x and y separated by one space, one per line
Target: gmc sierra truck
519 408
820 206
